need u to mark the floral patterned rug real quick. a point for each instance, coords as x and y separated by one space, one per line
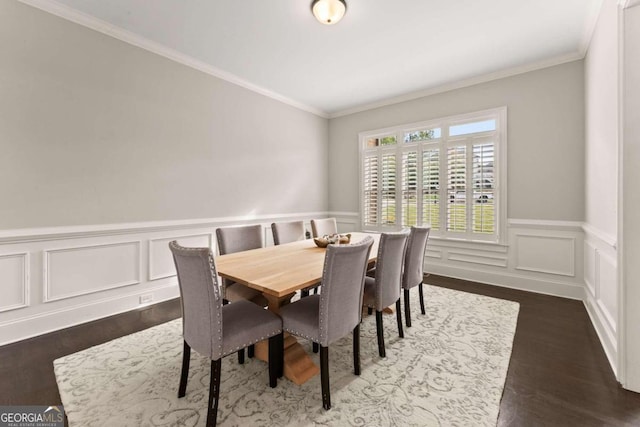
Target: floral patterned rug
449 370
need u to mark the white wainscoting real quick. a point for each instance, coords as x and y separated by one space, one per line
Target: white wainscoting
601 288
346 221
14 276
161 263
54 278
539 256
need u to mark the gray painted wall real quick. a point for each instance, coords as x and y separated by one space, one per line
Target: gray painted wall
545 139
94 131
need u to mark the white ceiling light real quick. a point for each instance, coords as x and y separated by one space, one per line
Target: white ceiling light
329 12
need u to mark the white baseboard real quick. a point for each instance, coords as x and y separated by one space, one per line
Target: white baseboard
601 288
602 325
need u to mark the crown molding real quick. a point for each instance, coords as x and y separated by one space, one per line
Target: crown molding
575 56
104 27
590 26
88 21
626 4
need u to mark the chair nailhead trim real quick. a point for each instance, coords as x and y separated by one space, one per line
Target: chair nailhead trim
269 335
299 334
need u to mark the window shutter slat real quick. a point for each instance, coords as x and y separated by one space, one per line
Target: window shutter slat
409 188
456 189
388 196
370 188
483 219
431 188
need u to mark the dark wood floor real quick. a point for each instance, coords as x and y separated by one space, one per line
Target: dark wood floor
558 375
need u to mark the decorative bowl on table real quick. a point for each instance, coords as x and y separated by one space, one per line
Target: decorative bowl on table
326 240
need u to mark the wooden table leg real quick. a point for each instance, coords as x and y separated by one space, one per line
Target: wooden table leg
298 366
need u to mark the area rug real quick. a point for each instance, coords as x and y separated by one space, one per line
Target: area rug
449 370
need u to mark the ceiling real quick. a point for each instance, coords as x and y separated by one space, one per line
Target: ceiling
382 50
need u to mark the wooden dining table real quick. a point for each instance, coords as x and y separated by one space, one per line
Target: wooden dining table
278 272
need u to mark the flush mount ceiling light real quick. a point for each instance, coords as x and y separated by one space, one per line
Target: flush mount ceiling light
328 12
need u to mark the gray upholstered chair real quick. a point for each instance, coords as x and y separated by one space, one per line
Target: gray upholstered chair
320 227
327 317
414 267
238 239
287 232
214 330
383 290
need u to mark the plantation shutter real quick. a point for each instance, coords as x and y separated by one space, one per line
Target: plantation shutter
409 188
444 173
457 189
431 188
483 188
370 187
388 190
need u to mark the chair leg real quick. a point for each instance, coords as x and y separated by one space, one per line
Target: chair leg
315 347
356 349
281 355
324 377
399 319
274 359
304 293
214 393
241 356
421 299
380 333
369 311
251 351
186 357
315 290
407 308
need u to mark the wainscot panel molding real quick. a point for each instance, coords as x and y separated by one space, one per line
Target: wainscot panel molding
79 270
161 263
14 276
346 221
545 254
55 278
601 288
538 256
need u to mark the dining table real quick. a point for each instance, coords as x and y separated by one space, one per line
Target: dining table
279 272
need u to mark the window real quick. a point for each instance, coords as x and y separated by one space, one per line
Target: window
447 173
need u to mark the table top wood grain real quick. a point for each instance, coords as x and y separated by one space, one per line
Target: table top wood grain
281 270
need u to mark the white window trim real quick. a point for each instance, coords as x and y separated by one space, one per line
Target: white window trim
500 114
